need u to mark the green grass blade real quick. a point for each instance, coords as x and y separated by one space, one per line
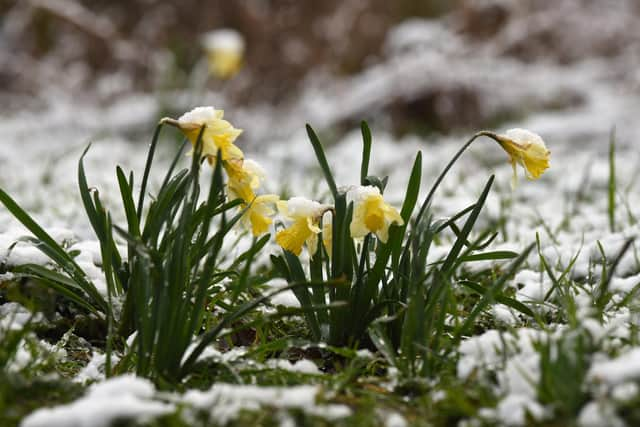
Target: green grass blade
612 181
490 294
466 230
490 256
127 201
52 249
436 184
59 283
501 298
322 160
366 152
147 170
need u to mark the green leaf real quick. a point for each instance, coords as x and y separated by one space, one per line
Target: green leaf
501 298
612 181
491 293
490 256
147 169
45 243
366 152
322 160
468 227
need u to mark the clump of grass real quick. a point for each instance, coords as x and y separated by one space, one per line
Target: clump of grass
167 276
384 294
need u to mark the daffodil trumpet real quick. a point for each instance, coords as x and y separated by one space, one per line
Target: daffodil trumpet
371 214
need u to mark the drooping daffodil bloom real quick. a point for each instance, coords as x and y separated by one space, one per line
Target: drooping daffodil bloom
305 215
526 149
218 134
225 52
245 177
259 213
371 214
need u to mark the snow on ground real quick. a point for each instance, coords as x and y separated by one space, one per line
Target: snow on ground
130 398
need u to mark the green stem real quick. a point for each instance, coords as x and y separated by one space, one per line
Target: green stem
427 200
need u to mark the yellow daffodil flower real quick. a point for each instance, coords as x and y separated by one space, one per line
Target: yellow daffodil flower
259 213
245 176
225 51
305 215
218 134
371 214
527 149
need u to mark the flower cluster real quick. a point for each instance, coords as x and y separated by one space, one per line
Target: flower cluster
307 218
371 213
244 175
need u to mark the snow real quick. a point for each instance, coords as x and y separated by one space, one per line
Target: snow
617 370
223 402
223 39
94 370
303 366
625 392
14 317
511 411
284 298
394 419
121 398
596 414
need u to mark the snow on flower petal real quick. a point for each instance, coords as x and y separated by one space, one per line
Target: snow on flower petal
526 149
218 134
371 214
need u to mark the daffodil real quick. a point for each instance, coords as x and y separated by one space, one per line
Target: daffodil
527 149
371 214
305 215
259 212
218 134
245 176
225 51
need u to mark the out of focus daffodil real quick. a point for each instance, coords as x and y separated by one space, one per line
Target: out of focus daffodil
225 52
218 134
371 214
305 215
259 213
245 177
527 149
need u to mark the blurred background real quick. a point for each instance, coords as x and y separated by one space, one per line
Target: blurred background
430 66
425 75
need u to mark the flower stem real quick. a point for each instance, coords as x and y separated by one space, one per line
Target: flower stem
427 200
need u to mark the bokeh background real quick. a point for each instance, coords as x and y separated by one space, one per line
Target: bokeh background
424 74
413 66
